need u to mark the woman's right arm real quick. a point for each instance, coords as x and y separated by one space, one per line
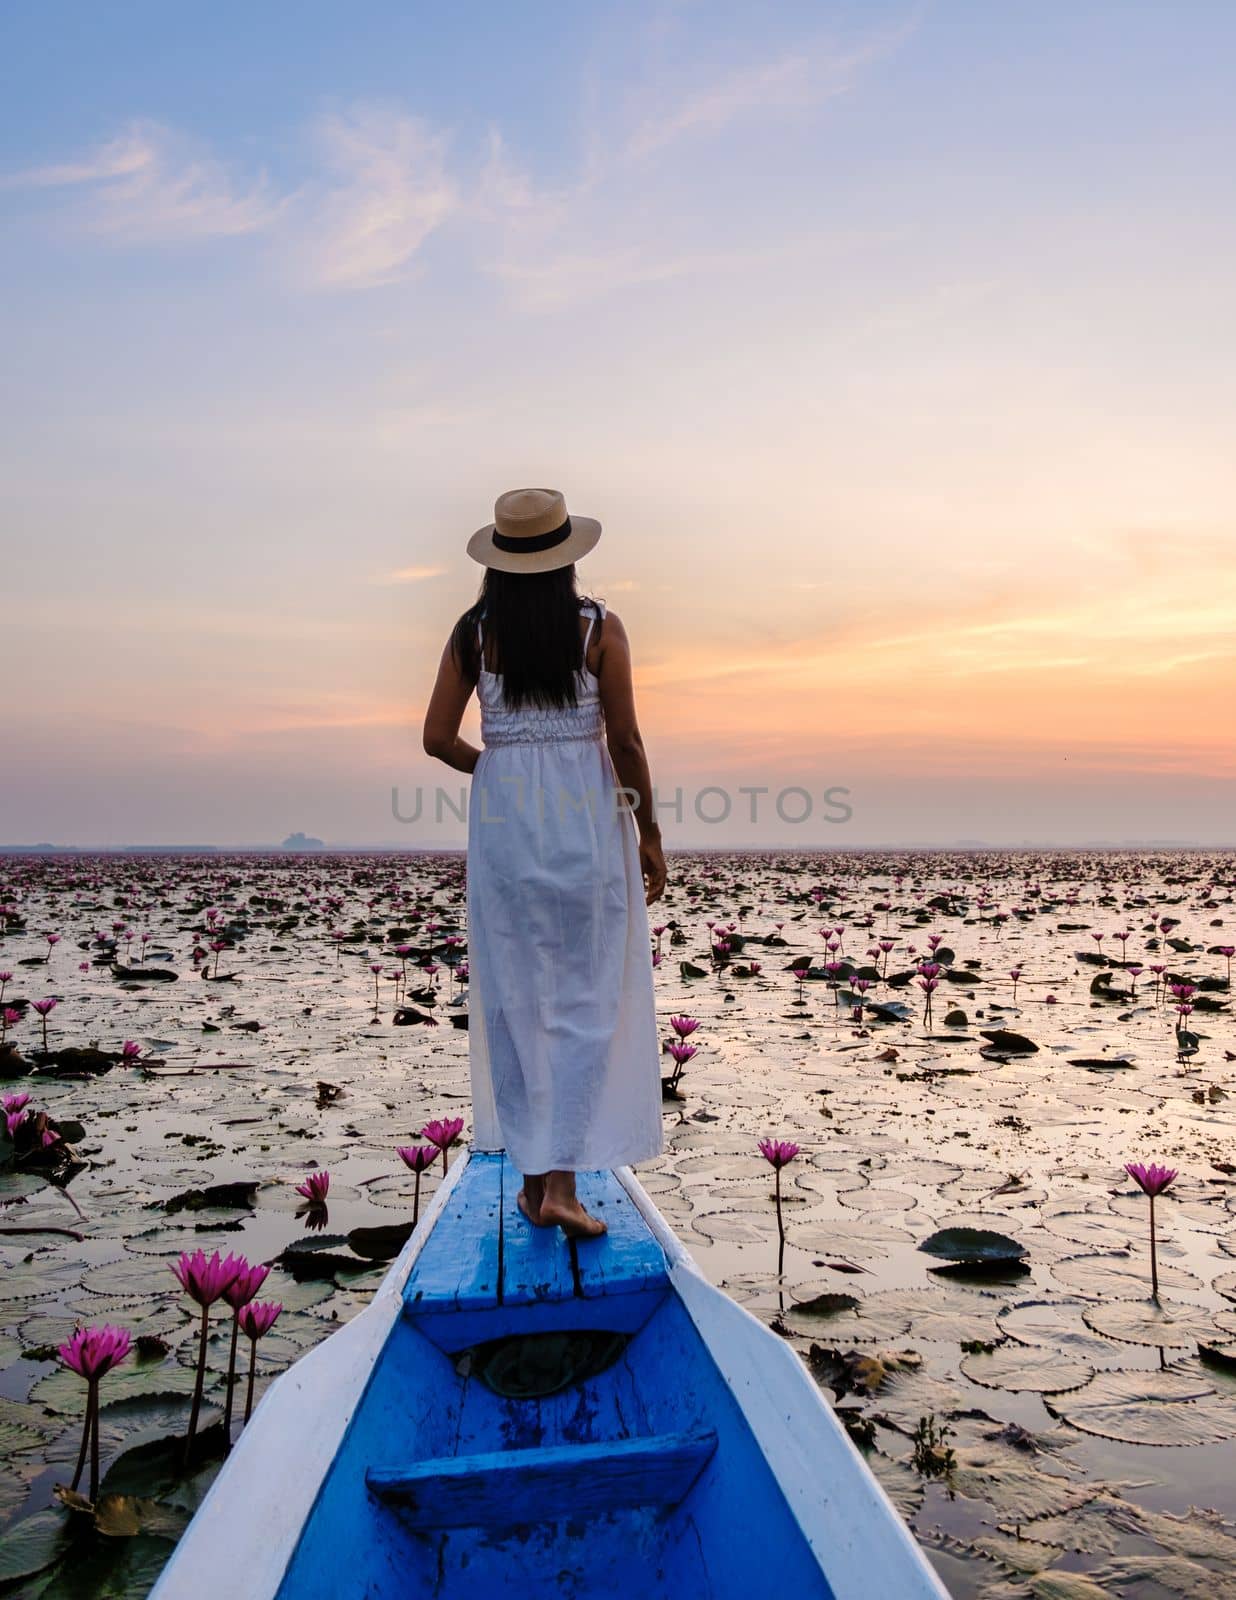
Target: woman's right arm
626 749
444 714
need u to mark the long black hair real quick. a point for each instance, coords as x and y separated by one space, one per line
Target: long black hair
530 622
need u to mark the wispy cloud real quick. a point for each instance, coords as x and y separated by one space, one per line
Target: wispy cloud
410 575
382 182
814 72
787 82
150 184
389 190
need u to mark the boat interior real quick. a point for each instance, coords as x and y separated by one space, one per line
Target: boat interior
545 1418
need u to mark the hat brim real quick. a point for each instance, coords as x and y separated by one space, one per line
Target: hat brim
585 531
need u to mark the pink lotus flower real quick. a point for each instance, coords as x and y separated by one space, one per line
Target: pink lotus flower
257 1317
778 1151
130 1050
417 1158
443 1133
246 1284
14 1102
315 1187
205 1280
238 1294
91 1352
1152 1180
44 1009
683 1026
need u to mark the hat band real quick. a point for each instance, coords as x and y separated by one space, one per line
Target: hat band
538 541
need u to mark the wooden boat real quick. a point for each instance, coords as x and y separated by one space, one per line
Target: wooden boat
516 1415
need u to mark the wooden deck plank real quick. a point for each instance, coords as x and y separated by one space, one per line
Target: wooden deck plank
627 1258
458 1268
536 1262
545 1484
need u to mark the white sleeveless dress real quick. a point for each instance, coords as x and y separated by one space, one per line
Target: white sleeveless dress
563 1045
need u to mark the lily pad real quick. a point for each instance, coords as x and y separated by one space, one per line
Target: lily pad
1026 1368
33 1544
1169 1326
1159 1406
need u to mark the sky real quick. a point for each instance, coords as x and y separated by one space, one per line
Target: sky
893 345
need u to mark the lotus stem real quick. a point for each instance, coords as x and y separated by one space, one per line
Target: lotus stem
252 1371
1154 1259
92 1398
197 1386
93 1407
231 1384
780 1228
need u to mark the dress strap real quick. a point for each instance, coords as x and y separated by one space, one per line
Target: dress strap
597 607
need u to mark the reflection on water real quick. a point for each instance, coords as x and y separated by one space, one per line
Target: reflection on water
1026 1405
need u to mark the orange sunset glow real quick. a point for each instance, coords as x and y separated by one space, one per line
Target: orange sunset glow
905 410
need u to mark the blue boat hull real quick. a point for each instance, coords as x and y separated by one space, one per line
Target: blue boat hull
537 1417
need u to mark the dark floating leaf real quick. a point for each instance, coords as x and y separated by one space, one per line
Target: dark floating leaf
973 1246
238 1196
1005 1042
1221 1356
826 1304
316 1260
409 1016
1005 1271
381 1243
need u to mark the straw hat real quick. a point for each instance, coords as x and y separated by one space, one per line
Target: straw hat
531 532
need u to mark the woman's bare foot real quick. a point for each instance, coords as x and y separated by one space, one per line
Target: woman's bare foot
531 1211
570 1216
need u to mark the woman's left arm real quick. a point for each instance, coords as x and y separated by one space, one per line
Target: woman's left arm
447 704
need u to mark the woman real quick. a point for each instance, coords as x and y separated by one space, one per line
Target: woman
563 1039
